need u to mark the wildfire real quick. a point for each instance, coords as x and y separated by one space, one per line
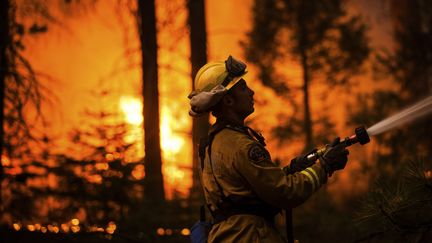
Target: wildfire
172 142
132 109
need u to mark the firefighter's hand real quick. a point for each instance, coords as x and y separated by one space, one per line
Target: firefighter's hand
299 163
335 157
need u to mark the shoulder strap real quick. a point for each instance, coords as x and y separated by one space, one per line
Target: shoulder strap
257 136
205 143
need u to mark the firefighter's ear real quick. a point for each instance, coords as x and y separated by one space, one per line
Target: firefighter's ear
228 100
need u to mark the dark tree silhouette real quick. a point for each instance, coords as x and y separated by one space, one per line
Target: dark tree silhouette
96 179
4 40
198 47
19 85
154 189
409 67
327 44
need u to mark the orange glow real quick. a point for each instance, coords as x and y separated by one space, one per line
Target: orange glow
112 225
171 143
75 228
55 229
37 226
185 231
65 228
16 226
43 229
175 151
132 109
101 44
31 227
109 157
168 232
138 173
173 175
428 174
94 179
160 231
15 170
102 166
5 160
111 228
75 222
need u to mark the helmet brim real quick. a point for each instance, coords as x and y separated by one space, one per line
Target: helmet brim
235 81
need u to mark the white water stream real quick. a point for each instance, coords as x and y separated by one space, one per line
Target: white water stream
416 111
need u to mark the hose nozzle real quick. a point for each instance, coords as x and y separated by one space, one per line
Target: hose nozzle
361 136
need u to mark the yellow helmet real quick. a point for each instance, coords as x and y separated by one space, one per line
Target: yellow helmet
226 73
212 82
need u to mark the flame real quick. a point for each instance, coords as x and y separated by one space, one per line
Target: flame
132 109
5 160
173 143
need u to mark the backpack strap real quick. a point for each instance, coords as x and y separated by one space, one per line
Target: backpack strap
230 207
204 142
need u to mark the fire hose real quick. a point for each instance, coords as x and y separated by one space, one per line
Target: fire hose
360 136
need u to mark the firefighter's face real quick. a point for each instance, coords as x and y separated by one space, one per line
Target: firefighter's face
242 96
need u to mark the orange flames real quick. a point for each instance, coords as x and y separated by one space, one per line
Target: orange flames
173 144
80 59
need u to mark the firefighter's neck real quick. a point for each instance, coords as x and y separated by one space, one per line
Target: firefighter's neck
233 118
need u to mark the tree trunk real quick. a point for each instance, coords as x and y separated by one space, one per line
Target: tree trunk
4 39
307 116
307 123
198 47
154 188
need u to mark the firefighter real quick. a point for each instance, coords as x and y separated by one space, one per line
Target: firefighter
243 188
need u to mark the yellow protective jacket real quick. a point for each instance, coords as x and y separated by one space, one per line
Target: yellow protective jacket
242 173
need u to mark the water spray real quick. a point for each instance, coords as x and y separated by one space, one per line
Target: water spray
414 112
360 136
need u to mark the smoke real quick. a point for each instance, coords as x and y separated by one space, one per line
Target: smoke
416 111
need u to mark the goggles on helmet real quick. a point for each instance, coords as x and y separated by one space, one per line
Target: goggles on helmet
209 94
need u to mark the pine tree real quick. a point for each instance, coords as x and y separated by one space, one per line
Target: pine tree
399 209
20 85
326 43
153 160
198 43
409 66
